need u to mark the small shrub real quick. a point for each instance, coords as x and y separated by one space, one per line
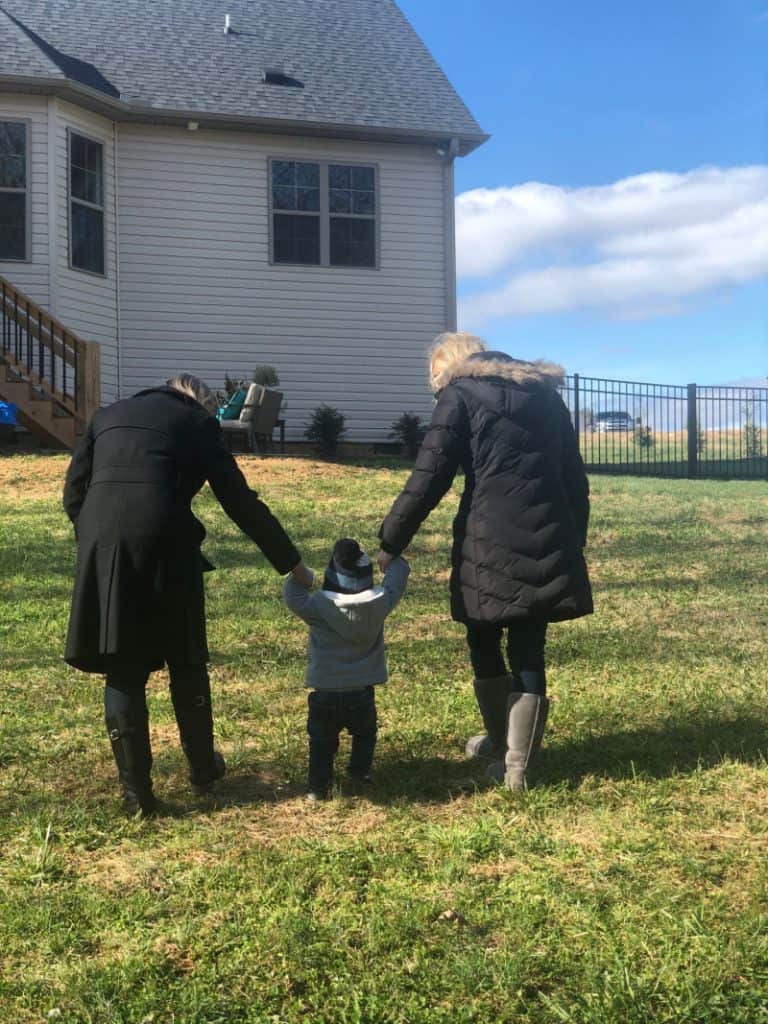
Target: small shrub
266 376
325 429
643 436
231 386
409 431
701 441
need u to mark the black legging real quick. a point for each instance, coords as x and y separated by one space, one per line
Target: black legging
525 652
125 698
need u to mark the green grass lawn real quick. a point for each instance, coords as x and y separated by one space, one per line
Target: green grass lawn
627 886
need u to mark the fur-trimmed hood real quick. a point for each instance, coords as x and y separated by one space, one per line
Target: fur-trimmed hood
548 376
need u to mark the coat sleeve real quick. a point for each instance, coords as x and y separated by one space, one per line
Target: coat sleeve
395 581
433 474
242 505
79 475
301 602
573 472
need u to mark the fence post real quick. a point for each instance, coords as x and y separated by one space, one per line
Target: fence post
577 425
693 434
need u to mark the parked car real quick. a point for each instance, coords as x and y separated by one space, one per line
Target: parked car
613 421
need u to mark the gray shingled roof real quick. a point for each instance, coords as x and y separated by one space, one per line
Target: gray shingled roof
19 55
361 63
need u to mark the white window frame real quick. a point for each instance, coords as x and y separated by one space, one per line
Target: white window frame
83 202
325 214
26 191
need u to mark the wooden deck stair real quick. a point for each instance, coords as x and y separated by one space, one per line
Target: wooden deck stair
50 373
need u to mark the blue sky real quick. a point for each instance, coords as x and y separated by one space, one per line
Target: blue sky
622 226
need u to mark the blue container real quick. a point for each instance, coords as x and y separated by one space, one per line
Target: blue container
8 413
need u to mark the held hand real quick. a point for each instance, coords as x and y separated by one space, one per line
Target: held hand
383 559
303 576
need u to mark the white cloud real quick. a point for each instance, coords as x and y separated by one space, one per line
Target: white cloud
652 241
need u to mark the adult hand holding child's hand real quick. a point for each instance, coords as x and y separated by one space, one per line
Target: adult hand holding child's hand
383 559
303 576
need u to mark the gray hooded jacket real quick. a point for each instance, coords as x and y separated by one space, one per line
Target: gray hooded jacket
346 631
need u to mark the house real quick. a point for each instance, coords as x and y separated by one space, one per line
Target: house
214 184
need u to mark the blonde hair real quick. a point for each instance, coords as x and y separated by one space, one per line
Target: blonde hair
193 387
447 351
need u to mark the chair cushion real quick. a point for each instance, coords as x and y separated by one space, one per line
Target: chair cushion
252 399
234 405
267 412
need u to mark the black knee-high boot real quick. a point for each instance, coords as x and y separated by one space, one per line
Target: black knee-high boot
191 696
129 735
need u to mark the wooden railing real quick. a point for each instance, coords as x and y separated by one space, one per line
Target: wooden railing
54 359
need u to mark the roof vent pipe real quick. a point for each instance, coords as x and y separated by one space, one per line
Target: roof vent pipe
227 24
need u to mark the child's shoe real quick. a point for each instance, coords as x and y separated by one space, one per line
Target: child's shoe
364 778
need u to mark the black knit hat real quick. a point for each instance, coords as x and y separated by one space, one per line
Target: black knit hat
349 570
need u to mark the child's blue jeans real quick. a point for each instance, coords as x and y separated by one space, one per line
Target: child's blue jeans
330 711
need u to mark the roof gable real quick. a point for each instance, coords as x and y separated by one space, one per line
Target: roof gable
361 63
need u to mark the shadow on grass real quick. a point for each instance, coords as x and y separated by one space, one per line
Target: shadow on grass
673 748
397 780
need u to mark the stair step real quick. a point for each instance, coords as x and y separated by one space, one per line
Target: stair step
59 431
16 390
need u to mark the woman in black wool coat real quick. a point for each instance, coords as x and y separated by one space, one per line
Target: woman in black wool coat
519 535
138 599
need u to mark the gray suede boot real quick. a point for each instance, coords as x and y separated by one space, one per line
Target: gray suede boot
527 716
492 696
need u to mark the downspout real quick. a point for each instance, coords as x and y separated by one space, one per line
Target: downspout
117 259
449 219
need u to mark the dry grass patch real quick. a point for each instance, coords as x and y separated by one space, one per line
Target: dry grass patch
32 477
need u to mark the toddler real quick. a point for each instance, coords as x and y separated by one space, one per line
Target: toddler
345 658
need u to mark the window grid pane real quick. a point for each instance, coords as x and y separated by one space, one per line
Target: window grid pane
87 170
13 172
353 242
13 226
295 186
296 238
87 238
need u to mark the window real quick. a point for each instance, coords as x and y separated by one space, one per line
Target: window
323 214
14 175
86 201
296 212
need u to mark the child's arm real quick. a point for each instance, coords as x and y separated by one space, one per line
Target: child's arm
395 580
300 601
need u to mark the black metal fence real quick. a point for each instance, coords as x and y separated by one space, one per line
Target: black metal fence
670 430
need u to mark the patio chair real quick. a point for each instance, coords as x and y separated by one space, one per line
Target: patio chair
259 415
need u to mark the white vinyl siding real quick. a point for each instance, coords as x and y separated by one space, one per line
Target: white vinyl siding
198 291
87 303
32 275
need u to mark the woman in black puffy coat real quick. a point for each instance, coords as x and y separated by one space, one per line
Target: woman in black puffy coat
518 536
